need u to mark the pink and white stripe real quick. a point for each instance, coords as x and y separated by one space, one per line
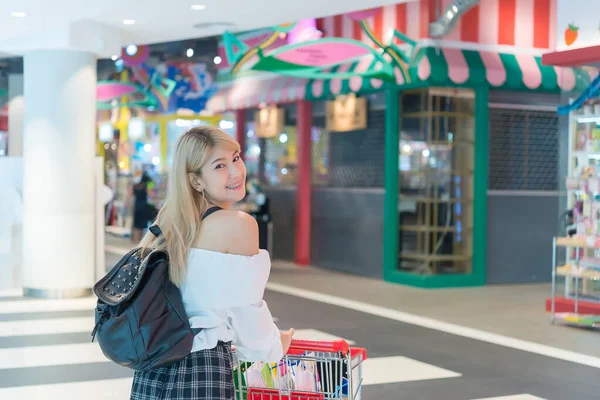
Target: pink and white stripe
335 85
413 26
250 93
458 69
518 23
489 21
523 26
363 65
566 78
532 76
424 68
495 72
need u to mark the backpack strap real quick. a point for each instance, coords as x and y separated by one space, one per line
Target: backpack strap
210 211
155 230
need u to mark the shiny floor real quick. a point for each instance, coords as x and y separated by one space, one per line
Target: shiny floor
463 344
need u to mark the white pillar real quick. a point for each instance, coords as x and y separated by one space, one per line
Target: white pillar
15 115
58 177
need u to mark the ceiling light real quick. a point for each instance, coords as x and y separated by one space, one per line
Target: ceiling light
128 21
114 58
220 26
198 7
131 50
189 52
217 60
18 14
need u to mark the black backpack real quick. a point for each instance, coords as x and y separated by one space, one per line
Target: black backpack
140 319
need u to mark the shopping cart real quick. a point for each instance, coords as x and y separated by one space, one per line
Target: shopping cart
311 370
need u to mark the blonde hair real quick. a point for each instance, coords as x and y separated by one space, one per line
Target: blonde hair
180 217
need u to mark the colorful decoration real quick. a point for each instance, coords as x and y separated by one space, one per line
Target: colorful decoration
160 87
192 86
138 58
312 59
284 28
320 58
110 90
107 92
304 31
362 15
571 34
167 87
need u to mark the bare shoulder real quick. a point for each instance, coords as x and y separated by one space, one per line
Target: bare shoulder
230 231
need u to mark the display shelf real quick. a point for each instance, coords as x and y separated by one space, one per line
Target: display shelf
422 199
584 242
589 321
585 272
578 272
434 257
429 228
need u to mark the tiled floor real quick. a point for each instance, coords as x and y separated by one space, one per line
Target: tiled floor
493 343
405 361
516 311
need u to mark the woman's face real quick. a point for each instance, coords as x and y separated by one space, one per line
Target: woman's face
224 177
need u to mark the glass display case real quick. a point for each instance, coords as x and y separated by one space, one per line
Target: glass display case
435 172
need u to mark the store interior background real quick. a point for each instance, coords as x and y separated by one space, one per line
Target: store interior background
526 157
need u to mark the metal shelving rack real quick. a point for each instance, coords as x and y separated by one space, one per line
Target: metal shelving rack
582 271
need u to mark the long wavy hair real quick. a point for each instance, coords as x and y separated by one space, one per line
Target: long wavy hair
180 216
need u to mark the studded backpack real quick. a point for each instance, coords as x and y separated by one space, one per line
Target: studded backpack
140 319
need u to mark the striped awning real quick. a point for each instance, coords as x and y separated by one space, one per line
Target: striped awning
456 67
250 92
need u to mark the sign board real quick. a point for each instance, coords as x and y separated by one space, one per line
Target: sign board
346 113
269 122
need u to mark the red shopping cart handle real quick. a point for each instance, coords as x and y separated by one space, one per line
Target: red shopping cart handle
300 346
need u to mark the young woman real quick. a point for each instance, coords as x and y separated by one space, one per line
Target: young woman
216 262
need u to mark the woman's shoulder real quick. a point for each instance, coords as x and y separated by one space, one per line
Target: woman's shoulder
228 222
229 231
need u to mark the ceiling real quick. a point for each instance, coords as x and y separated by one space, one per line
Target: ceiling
156 20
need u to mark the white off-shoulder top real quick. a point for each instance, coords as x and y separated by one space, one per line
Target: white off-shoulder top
223 293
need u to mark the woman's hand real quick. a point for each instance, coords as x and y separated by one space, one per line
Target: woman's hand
286 339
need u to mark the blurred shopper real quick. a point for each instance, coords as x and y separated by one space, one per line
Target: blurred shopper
142 212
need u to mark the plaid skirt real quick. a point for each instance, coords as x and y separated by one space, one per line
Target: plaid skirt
202 375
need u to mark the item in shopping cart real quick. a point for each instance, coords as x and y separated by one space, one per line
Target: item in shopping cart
259 375
305 380
272 394
311 370
331 374
239 374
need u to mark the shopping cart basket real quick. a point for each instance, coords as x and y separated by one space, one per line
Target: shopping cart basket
311 370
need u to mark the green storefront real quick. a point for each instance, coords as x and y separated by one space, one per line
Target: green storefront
444 243
436 152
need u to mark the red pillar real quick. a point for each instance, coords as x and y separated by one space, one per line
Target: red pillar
303 190
240 130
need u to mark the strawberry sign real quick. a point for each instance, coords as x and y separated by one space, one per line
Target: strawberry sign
577 24
571 34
